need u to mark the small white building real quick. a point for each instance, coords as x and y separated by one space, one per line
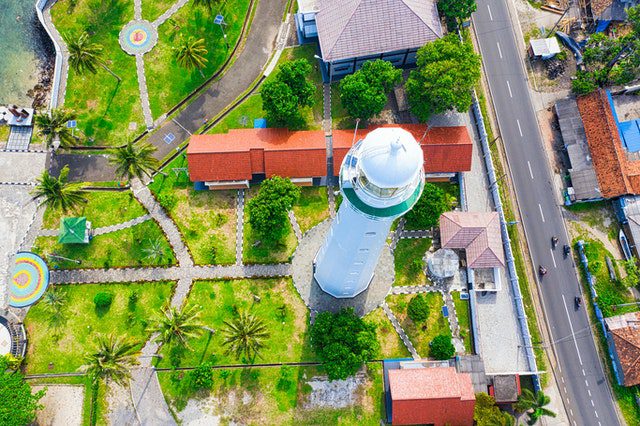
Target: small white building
544 48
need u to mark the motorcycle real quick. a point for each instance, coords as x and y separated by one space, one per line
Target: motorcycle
566 250
554 241
578 301
542 270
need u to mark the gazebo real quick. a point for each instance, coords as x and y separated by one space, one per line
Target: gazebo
74 230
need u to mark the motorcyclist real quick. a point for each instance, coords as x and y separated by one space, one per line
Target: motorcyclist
578 301
566 250
554 241
542 270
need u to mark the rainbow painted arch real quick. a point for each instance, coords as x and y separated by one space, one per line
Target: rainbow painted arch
29 279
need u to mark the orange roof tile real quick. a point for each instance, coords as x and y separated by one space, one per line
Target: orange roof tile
430 383
478 233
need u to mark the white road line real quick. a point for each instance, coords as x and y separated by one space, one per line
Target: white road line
589 392
596 413
565 389
519 128
181 126
530 172
571 411
541 214
552 256
499 50
592 404
574 423
490 15
583 373
575 342
509 87
586 383
562 378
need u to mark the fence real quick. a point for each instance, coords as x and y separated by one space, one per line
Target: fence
57 69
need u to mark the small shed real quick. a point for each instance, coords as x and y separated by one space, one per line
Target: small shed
544 48
74 230
443 264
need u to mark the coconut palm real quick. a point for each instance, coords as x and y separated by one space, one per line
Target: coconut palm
245 335
191 54
155 250
57 193
178 325
52 126
134 160
54 299
533 405
112 359
86 56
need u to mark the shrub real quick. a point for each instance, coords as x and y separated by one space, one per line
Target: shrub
213 251
417 266
167 201
427 211
176 354
441 347
284 381
132 303
202 376
418 309
103 300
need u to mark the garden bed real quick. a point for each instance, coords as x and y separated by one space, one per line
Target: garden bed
464 320
409 265
312 207
391 345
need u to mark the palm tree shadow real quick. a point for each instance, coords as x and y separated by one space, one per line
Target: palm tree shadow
113 95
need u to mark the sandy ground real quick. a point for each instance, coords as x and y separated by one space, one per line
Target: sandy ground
62 405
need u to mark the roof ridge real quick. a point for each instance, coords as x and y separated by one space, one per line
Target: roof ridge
358 3
419 17
606 107
615 330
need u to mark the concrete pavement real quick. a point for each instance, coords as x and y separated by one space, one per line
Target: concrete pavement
584 386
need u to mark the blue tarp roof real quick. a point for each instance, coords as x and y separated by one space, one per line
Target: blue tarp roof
629 130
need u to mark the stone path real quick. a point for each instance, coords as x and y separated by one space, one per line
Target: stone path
144 92
294 224
182 291
239 226
400 331
395 235
137 10
414 289
458 343
332 201
105 229
148 400
63 48
173 9
416 234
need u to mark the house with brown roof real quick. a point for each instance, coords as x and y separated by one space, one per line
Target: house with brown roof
244 156
351 32
436 396
623 338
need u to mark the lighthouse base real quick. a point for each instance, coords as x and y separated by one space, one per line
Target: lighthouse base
316 298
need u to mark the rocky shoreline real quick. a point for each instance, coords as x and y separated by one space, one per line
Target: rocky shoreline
45 51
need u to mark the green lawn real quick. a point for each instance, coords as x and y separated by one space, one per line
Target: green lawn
408 257
170 83
277 396
451 191
391 345
464 320
104 107
65 349
127 247
103 208
339 116
312 207
242 116
152 9
4 133
280 307
421 334
206 219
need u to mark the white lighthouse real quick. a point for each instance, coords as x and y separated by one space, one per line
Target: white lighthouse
381 178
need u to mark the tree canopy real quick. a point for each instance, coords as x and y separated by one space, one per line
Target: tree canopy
268 209
58 193
287 92
441 347
18 405
534 405
458 10
447 70
427 211
343 341
364 93
487 413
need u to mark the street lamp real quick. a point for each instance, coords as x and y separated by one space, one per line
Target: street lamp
219 20
330 70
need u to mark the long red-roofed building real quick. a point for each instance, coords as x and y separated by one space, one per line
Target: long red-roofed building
236 158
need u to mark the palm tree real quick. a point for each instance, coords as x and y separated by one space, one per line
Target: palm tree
177 325
85 56
112 359
245 335
191 54
155 250
57 193
52 126
134 160
533 405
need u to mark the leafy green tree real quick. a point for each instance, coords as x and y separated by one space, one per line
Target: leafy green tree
18 405
244 335
418 309
534 406
134 160
202 376
268 209
487 413
633 272
458 10
441 347
344 342
287 92
177 325
584 83
427 211
294 74
191 53
112 359
52 126
364 93
57 193
447 70
86 56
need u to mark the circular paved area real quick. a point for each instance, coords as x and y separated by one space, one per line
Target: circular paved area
5 340
316 299
138 37
29 279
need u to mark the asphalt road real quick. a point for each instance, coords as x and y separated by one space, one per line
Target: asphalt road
580 374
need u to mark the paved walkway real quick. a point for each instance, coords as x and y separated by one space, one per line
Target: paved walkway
144 92
294 224
400 331
63 48
148 400
173 9
103 230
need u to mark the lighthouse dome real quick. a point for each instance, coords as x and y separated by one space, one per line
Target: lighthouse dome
390 157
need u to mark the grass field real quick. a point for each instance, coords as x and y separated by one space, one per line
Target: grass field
464 320
103 208
242 117
127 247
391 345
408 261
312 207
53 349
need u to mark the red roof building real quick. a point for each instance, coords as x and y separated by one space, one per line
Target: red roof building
436 396
234 159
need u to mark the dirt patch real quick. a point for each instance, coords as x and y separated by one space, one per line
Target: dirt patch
62 405
92 104
334 394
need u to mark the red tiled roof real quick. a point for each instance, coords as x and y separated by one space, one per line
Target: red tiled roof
617 174
242 152
625 330
436 396
478 233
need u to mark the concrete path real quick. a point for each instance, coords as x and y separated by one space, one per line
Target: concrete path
148 399
63 48
144 92
458 343
414 289
395 235
105 229
173 9
416 234
332 201
400 331
239 226
294 224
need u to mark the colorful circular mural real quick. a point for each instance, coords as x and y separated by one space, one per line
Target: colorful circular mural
29 279
138 37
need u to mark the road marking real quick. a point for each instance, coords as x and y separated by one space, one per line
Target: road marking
181 126
552 256
592 404
575 342
562 377
490 15
565 389
586 383
499 50
509 87
519 128
571 411
541 214
596 414
583 373
589 392
530 172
